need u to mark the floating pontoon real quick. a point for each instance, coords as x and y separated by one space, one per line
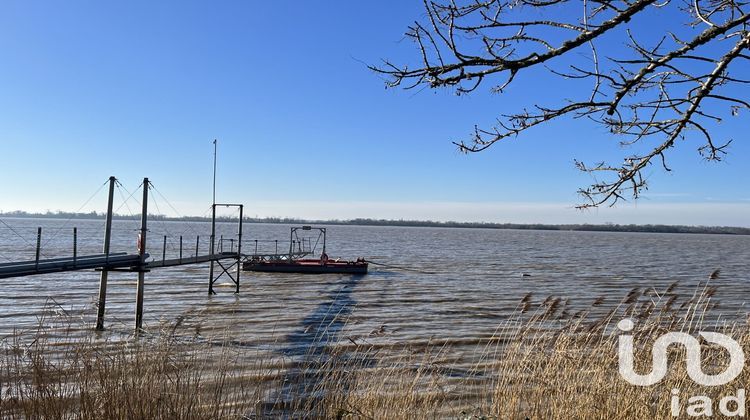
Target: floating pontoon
320 265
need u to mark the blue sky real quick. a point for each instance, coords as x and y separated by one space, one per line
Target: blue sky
92 89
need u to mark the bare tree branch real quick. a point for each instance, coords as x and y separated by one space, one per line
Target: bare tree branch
652 89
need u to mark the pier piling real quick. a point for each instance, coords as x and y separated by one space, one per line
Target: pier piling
38 245
105 250
142 254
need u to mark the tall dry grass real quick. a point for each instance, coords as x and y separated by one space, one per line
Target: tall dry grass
547 361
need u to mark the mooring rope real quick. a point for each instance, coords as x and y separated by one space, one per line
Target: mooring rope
132 220
399 267
16 232
125 200
169 235
6 258
41 253
57 231
189 224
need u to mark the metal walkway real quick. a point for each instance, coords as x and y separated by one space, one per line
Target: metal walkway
122 261
54 265
223 256
174 262
229 263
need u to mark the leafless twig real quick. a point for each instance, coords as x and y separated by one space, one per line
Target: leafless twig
655 91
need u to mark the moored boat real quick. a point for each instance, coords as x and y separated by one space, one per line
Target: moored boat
287 263
308 266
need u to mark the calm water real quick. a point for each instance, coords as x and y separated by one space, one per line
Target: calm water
470 281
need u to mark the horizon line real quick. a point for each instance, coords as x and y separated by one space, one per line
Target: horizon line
607 226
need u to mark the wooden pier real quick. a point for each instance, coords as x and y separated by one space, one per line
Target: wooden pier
229 263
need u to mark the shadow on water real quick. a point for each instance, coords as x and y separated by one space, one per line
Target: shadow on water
324 325
311 347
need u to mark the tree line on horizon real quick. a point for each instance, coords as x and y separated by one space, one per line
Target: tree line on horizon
607 227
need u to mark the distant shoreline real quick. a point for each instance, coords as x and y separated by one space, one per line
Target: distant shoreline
609 227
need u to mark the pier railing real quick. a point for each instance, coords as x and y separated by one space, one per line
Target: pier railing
124 247
78 248
139 261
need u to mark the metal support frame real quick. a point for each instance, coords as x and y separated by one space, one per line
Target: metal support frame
211 249
293 235
212 278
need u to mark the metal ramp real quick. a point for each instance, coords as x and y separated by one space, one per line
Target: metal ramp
174 262
112 261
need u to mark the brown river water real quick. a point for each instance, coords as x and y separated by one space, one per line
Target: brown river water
461 284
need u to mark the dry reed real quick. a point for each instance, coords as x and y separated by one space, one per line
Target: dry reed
547 361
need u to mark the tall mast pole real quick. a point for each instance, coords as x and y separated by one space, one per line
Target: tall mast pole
214 198
213 232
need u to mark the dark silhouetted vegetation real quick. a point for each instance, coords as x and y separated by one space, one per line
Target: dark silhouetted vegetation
608 227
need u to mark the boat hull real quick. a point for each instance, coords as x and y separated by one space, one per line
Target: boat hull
306 267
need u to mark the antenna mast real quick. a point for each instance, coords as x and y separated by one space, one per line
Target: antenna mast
214 197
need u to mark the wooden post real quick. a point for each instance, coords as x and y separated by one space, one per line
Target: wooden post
211 251
75 246
105 249
239 251
142 253
38 246
164 249
180 249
